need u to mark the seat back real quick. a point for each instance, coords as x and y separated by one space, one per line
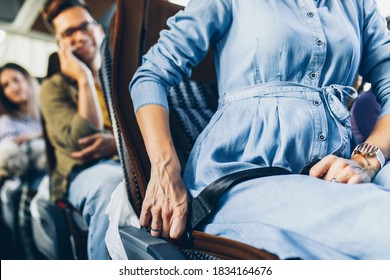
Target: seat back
129 38
136 28
53 67
10 197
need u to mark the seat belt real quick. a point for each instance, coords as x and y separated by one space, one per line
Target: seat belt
203 205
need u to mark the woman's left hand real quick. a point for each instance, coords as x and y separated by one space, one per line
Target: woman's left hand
22 139
348 171
165 206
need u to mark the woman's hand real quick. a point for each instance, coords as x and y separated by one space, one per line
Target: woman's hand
165 207
25 138
358 169
22 139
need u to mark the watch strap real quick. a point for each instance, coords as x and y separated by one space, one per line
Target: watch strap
370 150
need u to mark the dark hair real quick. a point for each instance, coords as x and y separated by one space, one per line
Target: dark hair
53 8
388 22
7 107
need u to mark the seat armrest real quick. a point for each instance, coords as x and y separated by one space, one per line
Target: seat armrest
140 245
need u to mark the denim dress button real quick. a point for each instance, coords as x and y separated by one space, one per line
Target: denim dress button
313 75
310 14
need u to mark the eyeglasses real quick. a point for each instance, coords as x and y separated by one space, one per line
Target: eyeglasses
68 33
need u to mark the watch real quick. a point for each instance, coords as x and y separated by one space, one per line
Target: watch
370 150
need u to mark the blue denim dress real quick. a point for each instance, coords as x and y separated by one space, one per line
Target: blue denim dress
284 69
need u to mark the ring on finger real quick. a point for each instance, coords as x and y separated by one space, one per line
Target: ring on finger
156 229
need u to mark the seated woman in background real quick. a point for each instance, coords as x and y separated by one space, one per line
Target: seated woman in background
20 126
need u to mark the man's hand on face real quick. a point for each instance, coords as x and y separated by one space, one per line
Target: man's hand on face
71 66
96 146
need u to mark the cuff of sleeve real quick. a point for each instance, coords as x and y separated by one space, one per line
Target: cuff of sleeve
145 93
81 128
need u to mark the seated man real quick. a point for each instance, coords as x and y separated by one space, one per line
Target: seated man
77 121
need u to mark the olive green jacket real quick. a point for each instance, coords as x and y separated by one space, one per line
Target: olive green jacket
64 127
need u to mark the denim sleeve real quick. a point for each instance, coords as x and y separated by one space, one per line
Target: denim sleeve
181 47
375 66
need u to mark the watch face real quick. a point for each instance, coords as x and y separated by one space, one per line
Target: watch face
367 149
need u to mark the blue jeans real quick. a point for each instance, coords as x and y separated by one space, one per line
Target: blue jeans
90 191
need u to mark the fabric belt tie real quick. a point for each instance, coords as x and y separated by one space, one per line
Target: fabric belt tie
334 96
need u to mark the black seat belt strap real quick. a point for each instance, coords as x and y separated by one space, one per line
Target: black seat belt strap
203 205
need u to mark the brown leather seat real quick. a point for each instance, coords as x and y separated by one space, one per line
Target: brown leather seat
136 27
